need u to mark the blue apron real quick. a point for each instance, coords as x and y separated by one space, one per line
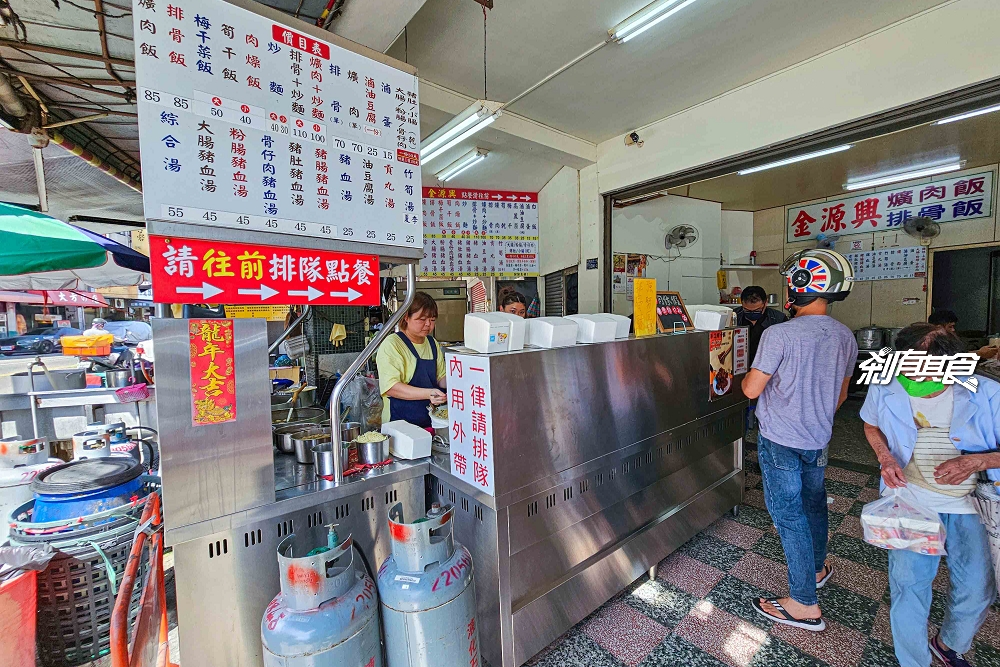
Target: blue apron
424 377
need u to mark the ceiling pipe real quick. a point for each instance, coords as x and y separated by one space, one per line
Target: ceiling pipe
10 100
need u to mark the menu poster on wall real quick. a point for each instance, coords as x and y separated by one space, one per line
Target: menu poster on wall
889 263
671 312
479 233
470 416
618 273
720 361
635 267
741 350
248 124
955 199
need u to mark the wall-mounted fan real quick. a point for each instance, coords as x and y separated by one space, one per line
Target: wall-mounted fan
826 242
923 229
680 236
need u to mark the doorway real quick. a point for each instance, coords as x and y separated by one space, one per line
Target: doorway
967 282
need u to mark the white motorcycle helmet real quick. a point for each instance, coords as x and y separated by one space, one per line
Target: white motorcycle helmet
817 273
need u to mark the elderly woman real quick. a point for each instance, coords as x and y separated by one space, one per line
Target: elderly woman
933 439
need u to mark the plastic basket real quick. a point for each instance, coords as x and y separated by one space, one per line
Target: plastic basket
132 393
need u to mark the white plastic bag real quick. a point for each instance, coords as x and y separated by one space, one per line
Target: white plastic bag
898 521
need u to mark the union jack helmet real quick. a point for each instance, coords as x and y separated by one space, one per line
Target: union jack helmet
817 273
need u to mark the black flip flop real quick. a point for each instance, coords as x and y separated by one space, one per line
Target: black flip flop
827 573
811 624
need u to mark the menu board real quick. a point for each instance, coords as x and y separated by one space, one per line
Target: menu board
470 416
741 350
479 233
671 312
720 361
247 124
889 263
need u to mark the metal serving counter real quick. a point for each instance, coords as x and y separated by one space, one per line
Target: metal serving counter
607 457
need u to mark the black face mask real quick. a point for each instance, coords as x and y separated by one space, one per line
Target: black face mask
753 315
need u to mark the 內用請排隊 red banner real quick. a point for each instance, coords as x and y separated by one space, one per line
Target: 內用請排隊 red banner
197 271
213 372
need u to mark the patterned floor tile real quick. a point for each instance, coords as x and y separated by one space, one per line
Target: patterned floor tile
856 508
858 578
777 653
835 519
689 575
990 630
675 651
878 654
859 551
712 551
721 634
838 645
875 482
770 546
881 629
847 476
755 498
735 533
851 525
752 480
734 596
833 487
848 608
624 632
942 582
576 650
660 601
763 573
840 503
986 655
939 602
868 495
754 516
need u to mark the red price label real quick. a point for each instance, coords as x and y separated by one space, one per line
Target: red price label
217 101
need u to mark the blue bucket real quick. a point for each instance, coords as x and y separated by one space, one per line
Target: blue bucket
85 487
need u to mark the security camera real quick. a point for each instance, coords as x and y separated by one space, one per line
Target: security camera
632 139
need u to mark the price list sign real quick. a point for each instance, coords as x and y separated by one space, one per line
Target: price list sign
247 124
479 233
470 416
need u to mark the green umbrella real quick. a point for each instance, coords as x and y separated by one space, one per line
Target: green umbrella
39 252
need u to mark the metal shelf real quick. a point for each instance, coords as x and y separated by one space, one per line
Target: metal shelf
82 397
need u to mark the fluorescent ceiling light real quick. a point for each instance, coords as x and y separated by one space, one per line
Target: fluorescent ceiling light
646 18
875 181
458 129
968 114
470 159
793 160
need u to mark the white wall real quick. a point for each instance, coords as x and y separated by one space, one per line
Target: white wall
591 242
559 222
641 228
938 50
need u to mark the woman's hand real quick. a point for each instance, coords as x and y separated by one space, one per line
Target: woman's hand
958 469
436 396
892 473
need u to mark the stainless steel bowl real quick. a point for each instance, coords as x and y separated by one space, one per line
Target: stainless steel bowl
370 453
349 431
323 455
313 415
303 443
283 435
116 378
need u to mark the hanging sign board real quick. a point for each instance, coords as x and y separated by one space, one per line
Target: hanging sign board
248 124
961 198
480 233
889 263
671 312
196 271
470 416
720 362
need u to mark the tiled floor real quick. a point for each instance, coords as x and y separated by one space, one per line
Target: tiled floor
697 612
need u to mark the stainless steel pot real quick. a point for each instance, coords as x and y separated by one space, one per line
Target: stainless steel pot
283 399
312 415
890 336
283 435
870 338
303 443
349 431
370 453
323 455
117 378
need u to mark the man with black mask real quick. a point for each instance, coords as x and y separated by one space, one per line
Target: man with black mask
755 314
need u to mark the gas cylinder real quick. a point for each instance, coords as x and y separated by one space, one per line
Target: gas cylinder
327 612
427 593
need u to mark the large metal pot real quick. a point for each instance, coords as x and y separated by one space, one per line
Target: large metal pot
370 453
890 336
311 415
323 455
870 338
349 431
117 378
282 435
303 443
283 399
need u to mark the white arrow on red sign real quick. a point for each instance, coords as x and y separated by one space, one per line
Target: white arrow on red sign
525 198
206 291
351 294
264 292
310 294
511 197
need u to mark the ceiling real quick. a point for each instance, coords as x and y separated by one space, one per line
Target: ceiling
703 51
975 140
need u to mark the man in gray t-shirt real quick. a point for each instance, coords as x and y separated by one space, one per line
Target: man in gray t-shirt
800 377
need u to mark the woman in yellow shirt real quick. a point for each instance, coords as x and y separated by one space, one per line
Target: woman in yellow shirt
411 372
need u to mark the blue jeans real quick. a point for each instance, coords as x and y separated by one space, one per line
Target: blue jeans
796 498
972 591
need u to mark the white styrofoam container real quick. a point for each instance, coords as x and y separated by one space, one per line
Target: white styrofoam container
594 328
550 332
623 323
487 333
409 441
517 328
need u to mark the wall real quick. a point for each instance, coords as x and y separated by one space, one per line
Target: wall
559 222
641 228
591 242
876 302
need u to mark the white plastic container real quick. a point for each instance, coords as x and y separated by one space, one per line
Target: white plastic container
517 329
549 332
597 328
623 323
488 333
409 441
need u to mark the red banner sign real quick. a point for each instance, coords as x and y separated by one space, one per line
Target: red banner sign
196 271
213 372
481 195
